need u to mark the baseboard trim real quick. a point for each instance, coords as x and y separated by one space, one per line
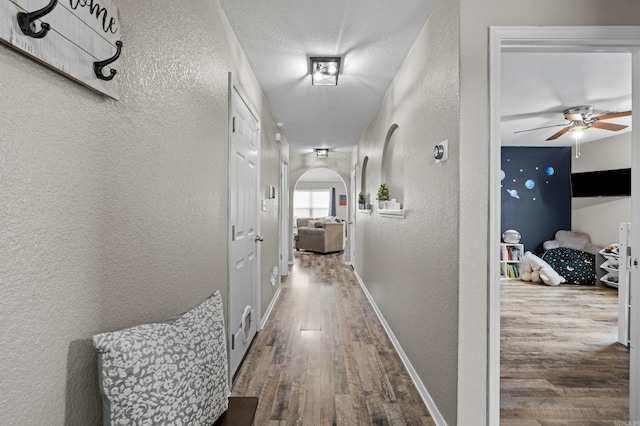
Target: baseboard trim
265 317
422 390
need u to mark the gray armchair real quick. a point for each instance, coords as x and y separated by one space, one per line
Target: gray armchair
319 236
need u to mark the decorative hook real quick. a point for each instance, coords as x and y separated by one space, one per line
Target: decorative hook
25 20
98 65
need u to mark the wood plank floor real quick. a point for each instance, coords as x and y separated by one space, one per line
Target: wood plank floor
560 363
323 357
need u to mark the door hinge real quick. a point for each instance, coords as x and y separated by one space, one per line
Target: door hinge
233 125
233 233
233 341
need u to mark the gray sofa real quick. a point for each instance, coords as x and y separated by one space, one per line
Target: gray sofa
319 235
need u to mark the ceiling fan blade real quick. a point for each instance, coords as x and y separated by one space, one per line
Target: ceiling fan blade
614 115
608 126
538 128
560 133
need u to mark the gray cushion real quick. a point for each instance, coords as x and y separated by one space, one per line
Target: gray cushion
166 373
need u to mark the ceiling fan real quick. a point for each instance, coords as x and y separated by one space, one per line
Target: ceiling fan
582 118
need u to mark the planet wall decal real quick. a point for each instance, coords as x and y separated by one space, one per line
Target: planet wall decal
513 193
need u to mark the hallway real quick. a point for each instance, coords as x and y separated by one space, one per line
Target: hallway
323 358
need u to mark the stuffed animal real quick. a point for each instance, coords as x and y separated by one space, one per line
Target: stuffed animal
537 270
535 276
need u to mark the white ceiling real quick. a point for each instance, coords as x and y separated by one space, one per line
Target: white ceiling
372 37
538 86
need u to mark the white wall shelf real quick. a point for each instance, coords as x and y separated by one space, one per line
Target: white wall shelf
394 213
365 211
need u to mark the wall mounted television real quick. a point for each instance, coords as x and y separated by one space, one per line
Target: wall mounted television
604 183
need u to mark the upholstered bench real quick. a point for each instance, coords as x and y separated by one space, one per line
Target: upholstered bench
171 373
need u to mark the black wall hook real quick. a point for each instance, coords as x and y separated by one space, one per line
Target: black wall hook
98 65
25 20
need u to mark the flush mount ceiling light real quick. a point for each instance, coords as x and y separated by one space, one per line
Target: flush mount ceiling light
322 152
324 71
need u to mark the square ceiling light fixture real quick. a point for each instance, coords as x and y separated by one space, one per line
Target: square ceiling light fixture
322 152
324 71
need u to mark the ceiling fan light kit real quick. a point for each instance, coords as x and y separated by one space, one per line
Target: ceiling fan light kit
325 70
579 113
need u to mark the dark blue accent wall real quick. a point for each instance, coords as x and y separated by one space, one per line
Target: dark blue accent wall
536 193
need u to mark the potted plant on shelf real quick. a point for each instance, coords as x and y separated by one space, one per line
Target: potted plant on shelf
362 202
383 195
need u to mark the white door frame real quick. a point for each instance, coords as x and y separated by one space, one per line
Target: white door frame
285 242
351 221
560 39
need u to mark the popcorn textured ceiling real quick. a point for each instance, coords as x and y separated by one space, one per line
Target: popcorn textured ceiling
373 39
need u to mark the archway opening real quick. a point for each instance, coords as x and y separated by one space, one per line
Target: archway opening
320 192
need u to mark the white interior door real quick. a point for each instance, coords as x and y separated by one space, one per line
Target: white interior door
244 264
624 277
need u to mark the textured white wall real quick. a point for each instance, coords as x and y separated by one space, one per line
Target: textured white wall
475 20
410 266
602 219
114 213
600 216
606 154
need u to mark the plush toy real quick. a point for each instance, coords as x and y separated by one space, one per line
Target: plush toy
537 270
535 276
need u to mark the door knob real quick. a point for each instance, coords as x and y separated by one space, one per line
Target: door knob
259 238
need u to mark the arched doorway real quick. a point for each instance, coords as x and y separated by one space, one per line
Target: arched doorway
320 192
330 194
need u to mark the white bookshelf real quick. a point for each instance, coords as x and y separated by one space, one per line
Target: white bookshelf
510 261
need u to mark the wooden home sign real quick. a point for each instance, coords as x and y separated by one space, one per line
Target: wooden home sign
79 38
